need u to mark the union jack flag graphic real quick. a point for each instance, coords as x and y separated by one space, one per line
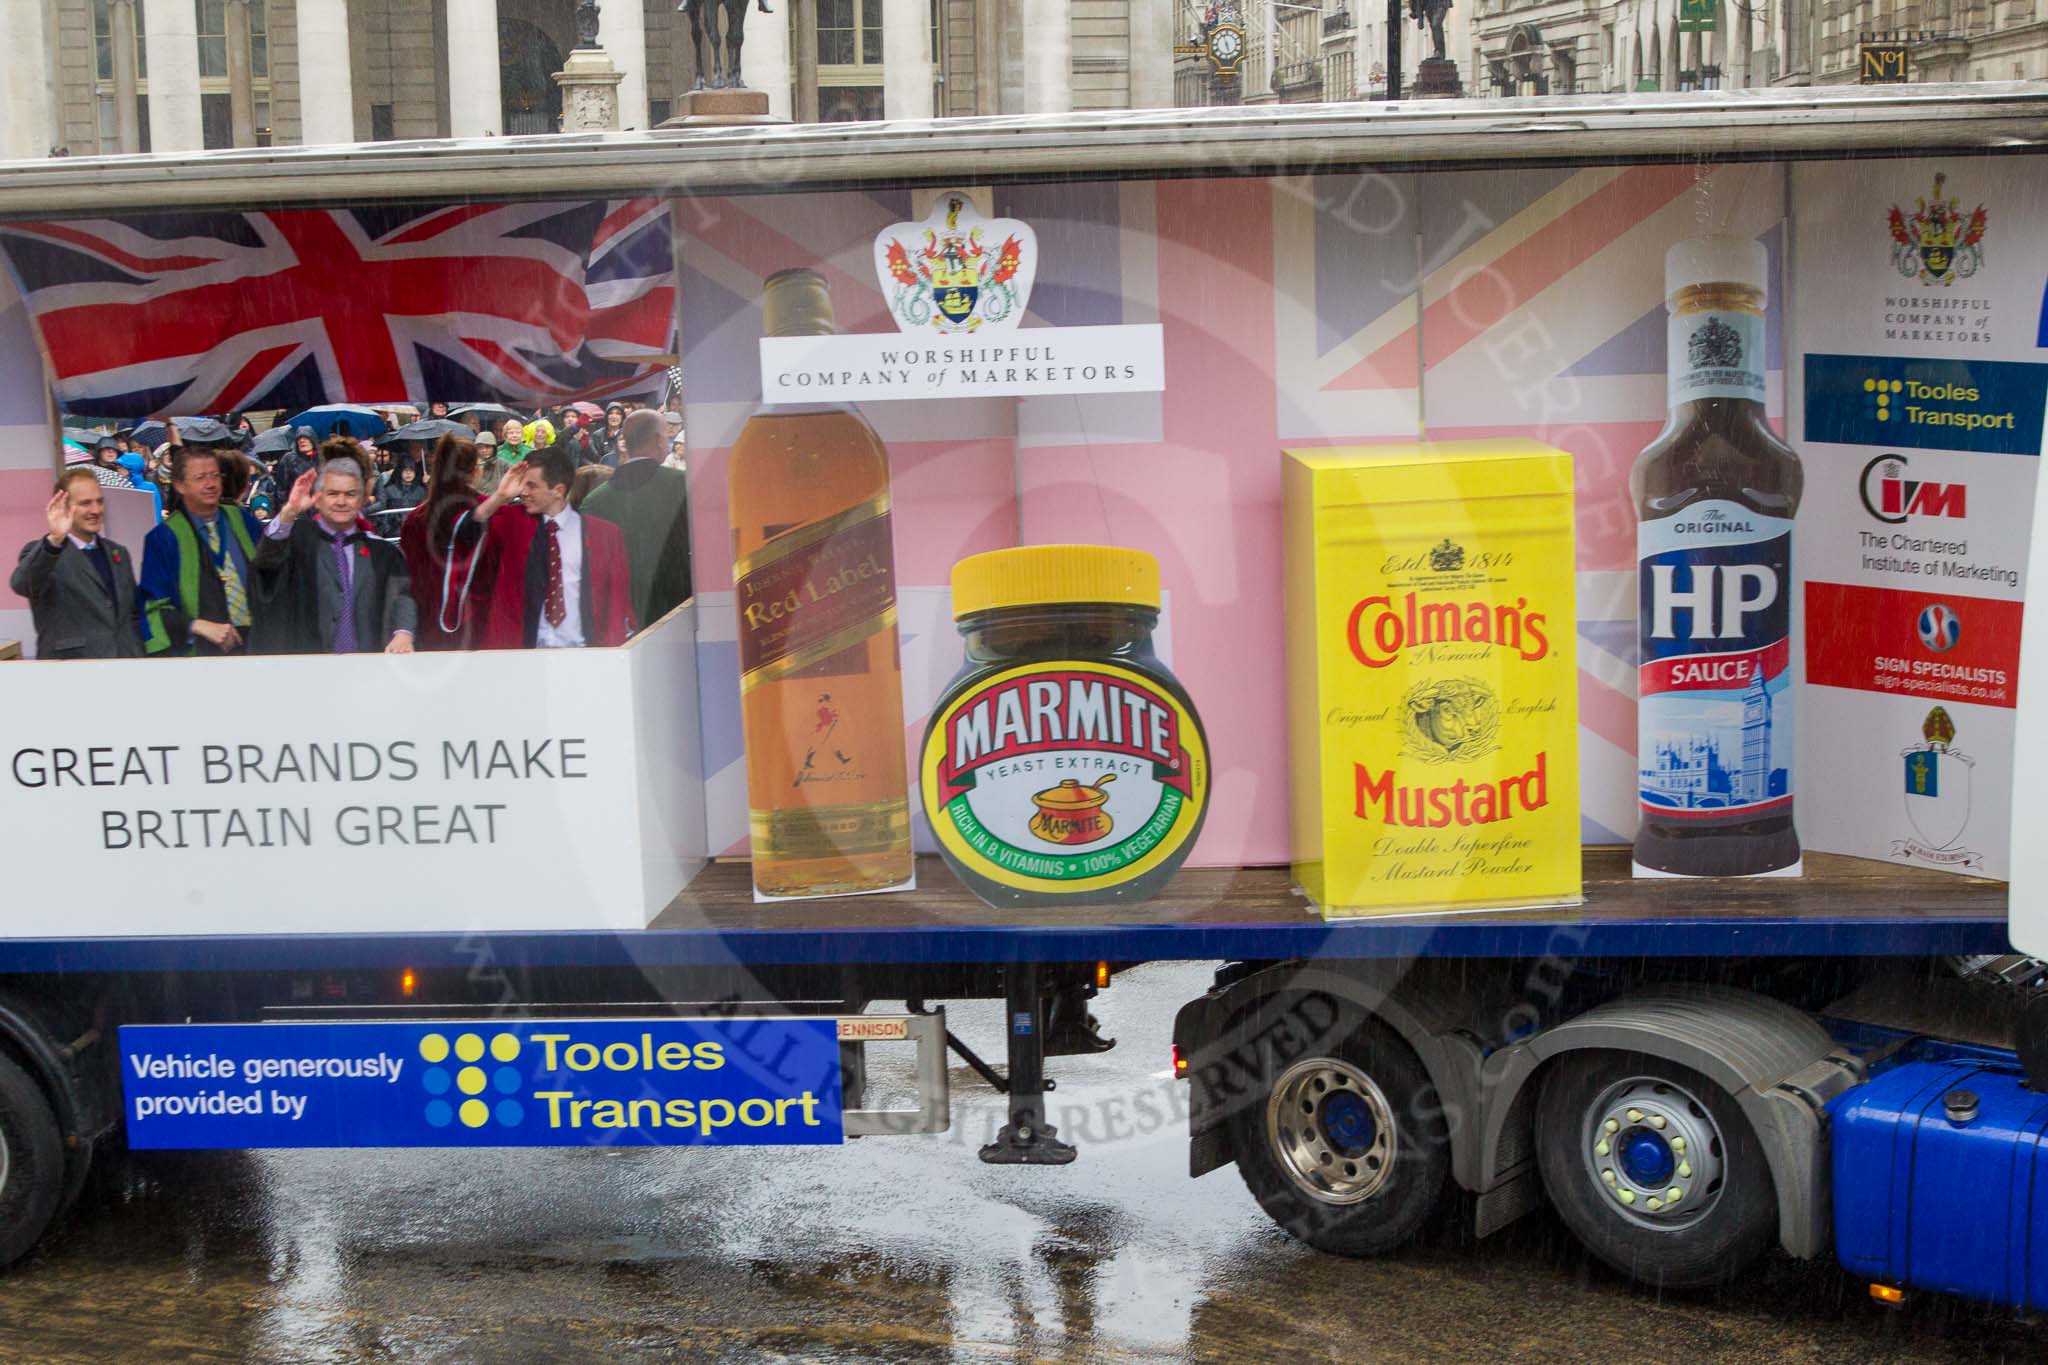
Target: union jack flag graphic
211 312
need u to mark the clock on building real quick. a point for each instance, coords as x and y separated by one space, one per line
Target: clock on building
1226 48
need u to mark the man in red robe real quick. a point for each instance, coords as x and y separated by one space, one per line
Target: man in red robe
562 577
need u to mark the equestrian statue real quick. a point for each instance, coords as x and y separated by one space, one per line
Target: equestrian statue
724 66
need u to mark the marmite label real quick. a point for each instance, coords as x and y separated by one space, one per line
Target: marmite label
1064 777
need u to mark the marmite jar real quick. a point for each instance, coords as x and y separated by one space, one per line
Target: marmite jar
1065 764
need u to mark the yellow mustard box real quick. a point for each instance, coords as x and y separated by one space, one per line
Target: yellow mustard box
1432 677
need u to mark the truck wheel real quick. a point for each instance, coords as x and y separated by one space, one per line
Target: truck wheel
1654 1168
31 1162
1348 1152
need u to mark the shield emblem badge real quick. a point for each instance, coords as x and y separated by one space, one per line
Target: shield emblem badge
1937 793
1937 259
956 302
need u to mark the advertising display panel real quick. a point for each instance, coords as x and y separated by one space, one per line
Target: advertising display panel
1919 389
516 1083
295 803
884 386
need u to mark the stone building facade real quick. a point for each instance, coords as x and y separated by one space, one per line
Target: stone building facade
81 77
1556 47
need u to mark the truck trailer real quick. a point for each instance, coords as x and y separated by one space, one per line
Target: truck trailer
532 920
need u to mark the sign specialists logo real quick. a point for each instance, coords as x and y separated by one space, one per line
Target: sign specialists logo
958 288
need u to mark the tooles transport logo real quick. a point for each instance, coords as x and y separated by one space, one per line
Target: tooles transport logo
1890 497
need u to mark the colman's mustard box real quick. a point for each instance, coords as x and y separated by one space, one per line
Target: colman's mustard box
1432 682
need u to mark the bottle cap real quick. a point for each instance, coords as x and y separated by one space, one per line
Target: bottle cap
795 303
1717 259
1053 575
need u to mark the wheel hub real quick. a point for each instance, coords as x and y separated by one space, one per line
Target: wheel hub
1646 1158
1347 1123
1656 1153
1333 1130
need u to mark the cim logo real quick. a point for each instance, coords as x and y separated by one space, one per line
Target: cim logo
1891 497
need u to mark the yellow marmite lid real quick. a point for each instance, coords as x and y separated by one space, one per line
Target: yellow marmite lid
1037 575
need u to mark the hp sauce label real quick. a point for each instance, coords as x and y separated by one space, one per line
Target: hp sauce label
1714 710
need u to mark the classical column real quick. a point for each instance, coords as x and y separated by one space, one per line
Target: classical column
25 126
241 75
326 85
906 59
1048 57
988 56
127 122
805 21
171 33
1741 50
475 108
764 60
622 32
1152 55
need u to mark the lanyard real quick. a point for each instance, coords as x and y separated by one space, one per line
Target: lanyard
448 577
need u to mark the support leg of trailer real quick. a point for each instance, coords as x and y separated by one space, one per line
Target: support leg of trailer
1027 1139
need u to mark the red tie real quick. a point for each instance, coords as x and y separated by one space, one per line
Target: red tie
557 606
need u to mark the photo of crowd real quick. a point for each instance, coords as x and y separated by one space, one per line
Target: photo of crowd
347 529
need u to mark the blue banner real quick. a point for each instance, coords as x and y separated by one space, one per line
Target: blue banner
519 1083
1993 406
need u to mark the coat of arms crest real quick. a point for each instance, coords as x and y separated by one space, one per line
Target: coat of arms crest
1937 794
1714 345
957 271
1937 245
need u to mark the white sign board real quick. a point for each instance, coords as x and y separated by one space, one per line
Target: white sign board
1918 411
865 367
499 790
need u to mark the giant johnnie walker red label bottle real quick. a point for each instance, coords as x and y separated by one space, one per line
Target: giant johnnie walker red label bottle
814 591
1715 496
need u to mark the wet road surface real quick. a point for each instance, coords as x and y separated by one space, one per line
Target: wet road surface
888 1249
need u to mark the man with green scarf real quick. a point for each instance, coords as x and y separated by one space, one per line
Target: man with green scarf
195 565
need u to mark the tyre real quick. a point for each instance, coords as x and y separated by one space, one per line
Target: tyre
1347 1151
1654 1168
31 1162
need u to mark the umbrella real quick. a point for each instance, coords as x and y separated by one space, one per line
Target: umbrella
325 419
275 441
203 431
494 414
149 433
587 409
426 429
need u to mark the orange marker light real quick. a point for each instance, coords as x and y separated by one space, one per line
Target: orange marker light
1885 1293
1101 975
1180 1063
406 982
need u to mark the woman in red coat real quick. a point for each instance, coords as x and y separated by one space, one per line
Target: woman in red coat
453 573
